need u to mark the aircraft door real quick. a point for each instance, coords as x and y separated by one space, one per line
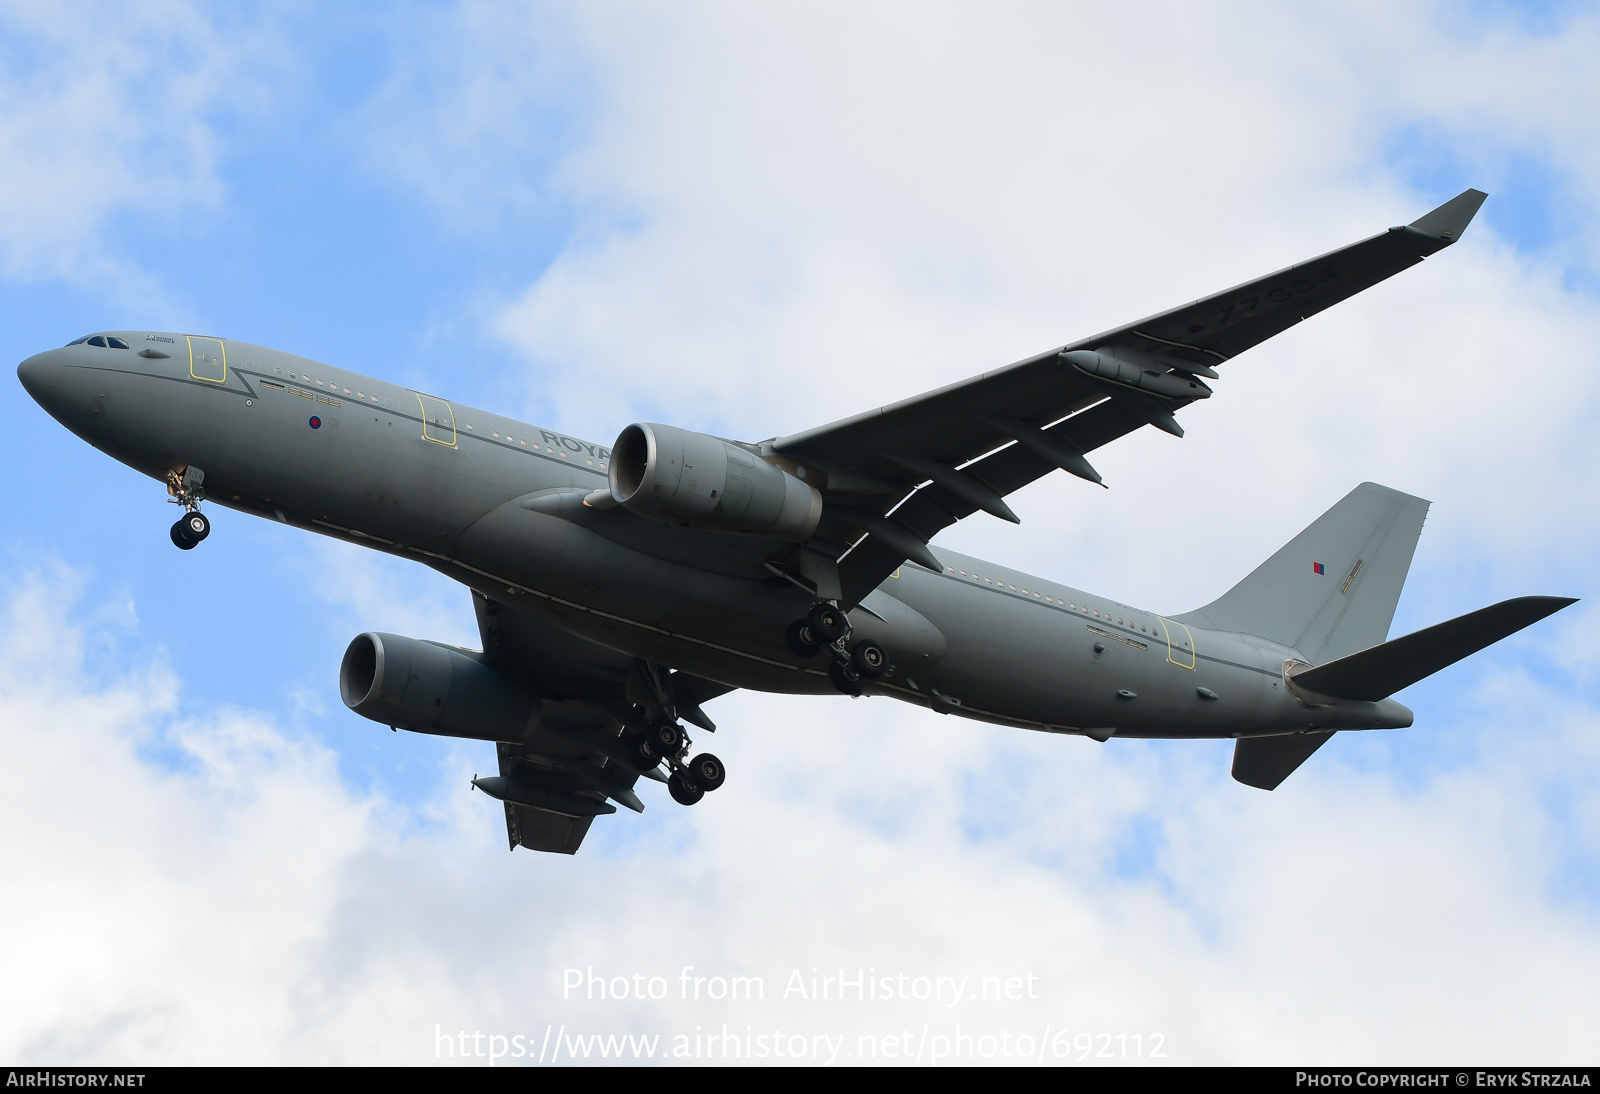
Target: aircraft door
438 420
1180 643
208 359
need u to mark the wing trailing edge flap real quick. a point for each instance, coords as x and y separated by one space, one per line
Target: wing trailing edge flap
543 830
551 801
963 426
1379 671
927 512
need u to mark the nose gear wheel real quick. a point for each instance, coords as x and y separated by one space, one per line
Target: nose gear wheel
183 488
190 529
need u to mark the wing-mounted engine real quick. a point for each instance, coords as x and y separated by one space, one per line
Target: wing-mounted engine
679 477
429 688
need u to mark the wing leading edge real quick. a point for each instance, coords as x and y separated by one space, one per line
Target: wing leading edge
895 476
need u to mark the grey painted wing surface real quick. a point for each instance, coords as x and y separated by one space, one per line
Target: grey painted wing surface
556 826
561 664
956 424
930 510
941 424
542 830
1223 325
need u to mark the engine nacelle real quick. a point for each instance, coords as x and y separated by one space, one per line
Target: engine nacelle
430 688
673 475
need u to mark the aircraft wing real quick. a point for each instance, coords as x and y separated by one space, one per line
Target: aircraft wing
573 773
895 476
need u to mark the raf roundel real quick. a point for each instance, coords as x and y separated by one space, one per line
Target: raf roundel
316 422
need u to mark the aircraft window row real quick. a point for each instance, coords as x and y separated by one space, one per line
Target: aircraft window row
101 341
1048 599
523 443
331 385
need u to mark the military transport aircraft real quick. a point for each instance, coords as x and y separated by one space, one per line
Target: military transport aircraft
620 588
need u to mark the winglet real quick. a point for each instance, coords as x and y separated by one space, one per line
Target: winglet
1449 220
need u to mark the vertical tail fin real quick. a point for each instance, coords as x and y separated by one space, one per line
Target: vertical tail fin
1332 590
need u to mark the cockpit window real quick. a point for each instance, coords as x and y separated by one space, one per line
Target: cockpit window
78 341
97 340
116 343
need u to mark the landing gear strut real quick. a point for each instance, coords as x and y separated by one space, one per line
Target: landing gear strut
184 489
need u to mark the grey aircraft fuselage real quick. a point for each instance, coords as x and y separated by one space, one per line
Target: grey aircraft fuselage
399 471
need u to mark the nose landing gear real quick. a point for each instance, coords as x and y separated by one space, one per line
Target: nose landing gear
184 489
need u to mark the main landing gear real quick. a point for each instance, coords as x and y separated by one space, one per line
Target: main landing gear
826 627
184 489
656 738
666 743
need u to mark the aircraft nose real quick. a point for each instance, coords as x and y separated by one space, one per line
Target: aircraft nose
38 376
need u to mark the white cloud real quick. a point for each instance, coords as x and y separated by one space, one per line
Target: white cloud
480 101
108 109
190 886
160 863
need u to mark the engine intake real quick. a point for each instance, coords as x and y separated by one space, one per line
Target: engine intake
429 688
673 475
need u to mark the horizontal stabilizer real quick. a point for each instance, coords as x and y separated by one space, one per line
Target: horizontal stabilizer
1382 670
1264 762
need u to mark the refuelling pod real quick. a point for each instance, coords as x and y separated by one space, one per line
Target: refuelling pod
673 475
1140 375
429 688
557 799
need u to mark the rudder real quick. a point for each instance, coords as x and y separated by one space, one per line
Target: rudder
1332 590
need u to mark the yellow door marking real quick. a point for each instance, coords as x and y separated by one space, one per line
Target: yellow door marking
438 420
1187 640
208 359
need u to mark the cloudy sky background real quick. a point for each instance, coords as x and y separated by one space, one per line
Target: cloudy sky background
750 220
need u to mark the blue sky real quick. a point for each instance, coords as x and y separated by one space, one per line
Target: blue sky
751 222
